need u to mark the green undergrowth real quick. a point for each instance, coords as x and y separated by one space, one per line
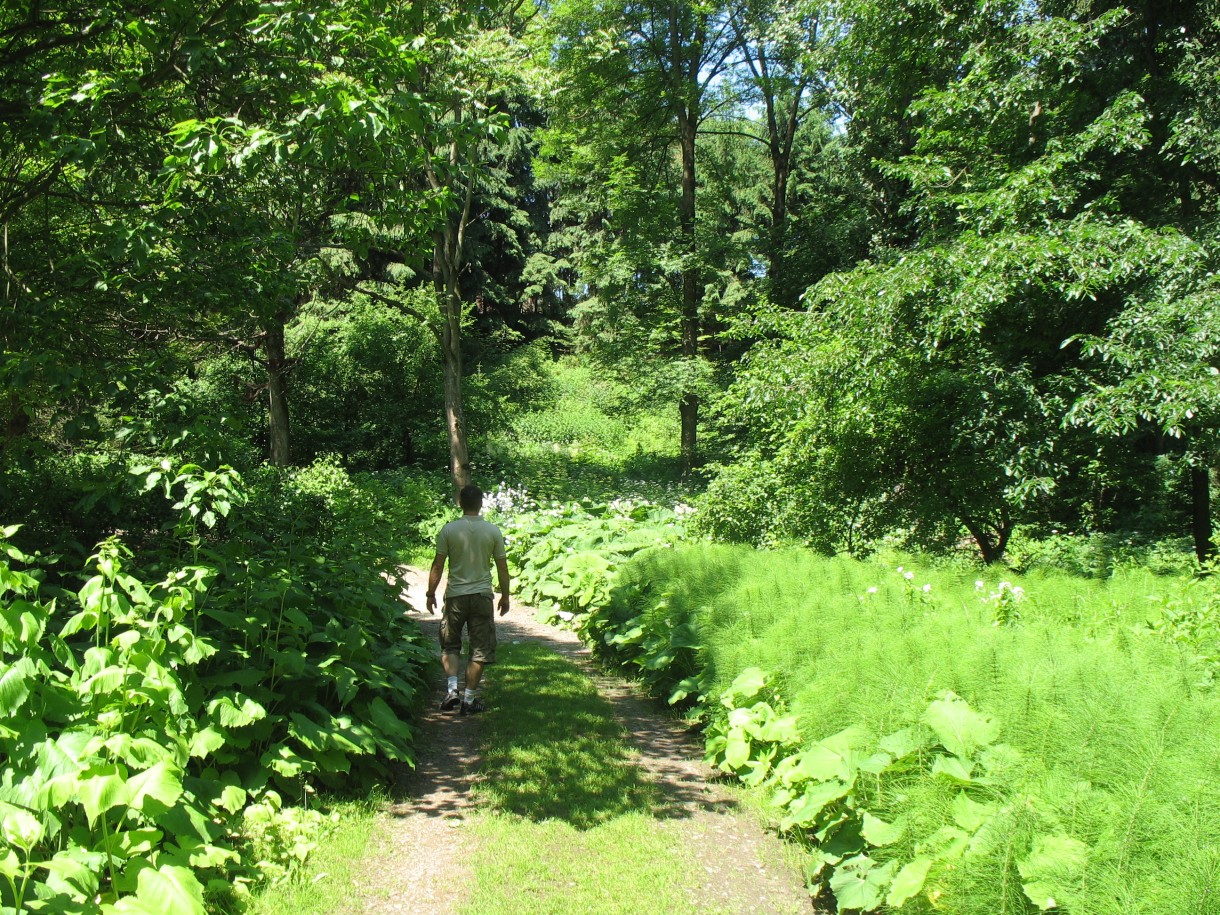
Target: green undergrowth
568 824
564 555
583 434
324 886
168 710
944 741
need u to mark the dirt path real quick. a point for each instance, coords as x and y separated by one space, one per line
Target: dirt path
419 864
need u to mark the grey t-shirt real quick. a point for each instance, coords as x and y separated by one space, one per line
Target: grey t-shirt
470 543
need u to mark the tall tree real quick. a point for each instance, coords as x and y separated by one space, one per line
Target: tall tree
778 52
646 74
470 85
303 182
932 385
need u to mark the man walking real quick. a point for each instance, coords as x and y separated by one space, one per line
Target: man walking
470 544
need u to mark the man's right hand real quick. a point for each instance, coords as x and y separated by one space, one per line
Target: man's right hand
431 603
503 604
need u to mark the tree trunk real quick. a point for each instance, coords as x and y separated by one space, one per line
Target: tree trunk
446 264
277 389
1201 512
991 544
691 290
780 294
455 421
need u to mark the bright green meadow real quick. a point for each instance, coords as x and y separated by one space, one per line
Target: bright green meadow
948 743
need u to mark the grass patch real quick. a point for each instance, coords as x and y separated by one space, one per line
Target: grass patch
570 826
553 750
324 885
623 867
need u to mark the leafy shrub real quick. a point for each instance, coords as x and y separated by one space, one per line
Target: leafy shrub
367 385
154 728
565 555
1097 555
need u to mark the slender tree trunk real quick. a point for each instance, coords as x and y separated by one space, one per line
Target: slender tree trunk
691 288
1201 512
455 420
446 265
780 293
277 389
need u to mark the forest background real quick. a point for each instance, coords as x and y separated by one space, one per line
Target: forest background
850 276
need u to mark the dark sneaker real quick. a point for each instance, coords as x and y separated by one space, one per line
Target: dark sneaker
473 707
451 701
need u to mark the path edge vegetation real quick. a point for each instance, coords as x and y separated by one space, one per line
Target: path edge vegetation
759 646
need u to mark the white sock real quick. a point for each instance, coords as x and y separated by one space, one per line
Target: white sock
453 684
470 694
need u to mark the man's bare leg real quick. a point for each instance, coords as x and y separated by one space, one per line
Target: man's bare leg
474 673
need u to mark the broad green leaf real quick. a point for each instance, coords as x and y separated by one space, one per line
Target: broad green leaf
101 788
137 842
384 718
858 883
909 882
200 854
1053 869
232 798
170 890
877 764
970 814
777 729
20 827
10 864
836 757
748 684
15 686
206 742
901 743
162 782
953 769
234 714
962 730
808 806
880 833
737 751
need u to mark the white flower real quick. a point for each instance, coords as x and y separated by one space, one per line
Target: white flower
1018 592
872 590
900 568
927 588
978 584
908 575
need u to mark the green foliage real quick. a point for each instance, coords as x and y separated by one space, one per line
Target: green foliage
944 743
161 712
563 430
564 557
366 386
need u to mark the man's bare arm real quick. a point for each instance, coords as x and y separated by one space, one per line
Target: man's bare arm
434 580
502 570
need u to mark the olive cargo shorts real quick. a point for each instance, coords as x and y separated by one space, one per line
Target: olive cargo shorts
475 612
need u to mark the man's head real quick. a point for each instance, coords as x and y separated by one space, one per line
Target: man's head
471 499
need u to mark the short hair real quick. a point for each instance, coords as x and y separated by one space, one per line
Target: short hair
470 498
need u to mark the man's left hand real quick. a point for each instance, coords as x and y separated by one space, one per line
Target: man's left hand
503 604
